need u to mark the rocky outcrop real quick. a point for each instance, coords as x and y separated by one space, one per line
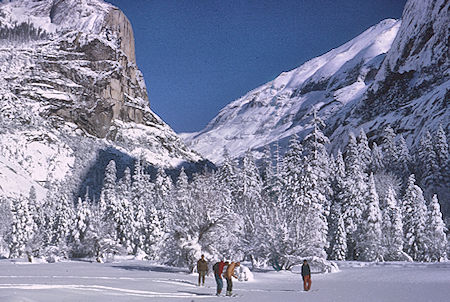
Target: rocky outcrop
69 73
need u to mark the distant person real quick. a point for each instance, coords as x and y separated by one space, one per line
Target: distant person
218 269
229 274
306 275
202 269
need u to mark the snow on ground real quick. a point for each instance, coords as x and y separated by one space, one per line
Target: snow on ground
142 281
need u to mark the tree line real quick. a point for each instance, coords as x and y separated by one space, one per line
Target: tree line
364 203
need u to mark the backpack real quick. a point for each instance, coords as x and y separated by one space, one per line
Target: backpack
216 267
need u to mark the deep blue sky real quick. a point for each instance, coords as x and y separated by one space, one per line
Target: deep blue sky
198 56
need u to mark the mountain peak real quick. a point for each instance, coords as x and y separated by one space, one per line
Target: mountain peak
280 108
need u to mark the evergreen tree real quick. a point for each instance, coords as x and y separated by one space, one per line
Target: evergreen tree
403 158
435 232
153 234
82 222
339 189
339 250
249 203
392 228
443 158
62 224
22 227
365 153
389 150
369 243
414 218
353 198
376 161
427 162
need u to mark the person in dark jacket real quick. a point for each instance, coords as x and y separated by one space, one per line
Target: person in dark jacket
306 275
202 269
218 270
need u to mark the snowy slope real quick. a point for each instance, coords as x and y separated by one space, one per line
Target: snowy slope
283 106
72 93
396 72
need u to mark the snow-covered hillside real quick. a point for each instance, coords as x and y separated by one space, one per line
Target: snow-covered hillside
72 95
282 107
396 72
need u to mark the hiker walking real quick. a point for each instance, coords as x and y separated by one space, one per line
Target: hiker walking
218 269
229 274
202 269
306 275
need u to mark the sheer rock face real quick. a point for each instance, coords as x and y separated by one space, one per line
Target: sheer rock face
69 71
91 44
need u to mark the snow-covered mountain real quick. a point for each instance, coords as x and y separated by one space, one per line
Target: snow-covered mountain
282 107
72 96
395 72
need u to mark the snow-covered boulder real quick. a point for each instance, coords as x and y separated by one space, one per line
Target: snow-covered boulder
244 273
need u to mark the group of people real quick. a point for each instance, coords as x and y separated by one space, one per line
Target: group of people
218 267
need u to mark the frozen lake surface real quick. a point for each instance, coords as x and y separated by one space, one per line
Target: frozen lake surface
141 281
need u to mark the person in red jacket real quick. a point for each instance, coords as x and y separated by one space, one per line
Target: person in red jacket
218 270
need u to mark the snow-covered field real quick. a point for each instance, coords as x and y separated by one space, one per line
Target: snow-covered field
141 281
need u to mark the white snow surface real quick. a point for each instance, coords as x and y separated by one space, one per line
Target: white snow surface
143 281
282 107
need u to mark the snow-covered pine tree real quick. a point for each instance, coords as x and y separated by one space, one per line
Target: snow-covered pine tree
339 248
376 161
138 202
22 227
249 203
365 153
227 173
291 204
315 151
316 188
403 158
392 228
266 167
125 216
443 158
414 219
162 190
153 234
81 228
435 232
339 189
369 235
5 222
389 150
63 223
314 219
443 175
427 162
354 196
110 198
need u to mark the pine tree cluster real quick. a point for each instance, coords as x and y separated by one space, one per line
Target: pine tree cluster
363 204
